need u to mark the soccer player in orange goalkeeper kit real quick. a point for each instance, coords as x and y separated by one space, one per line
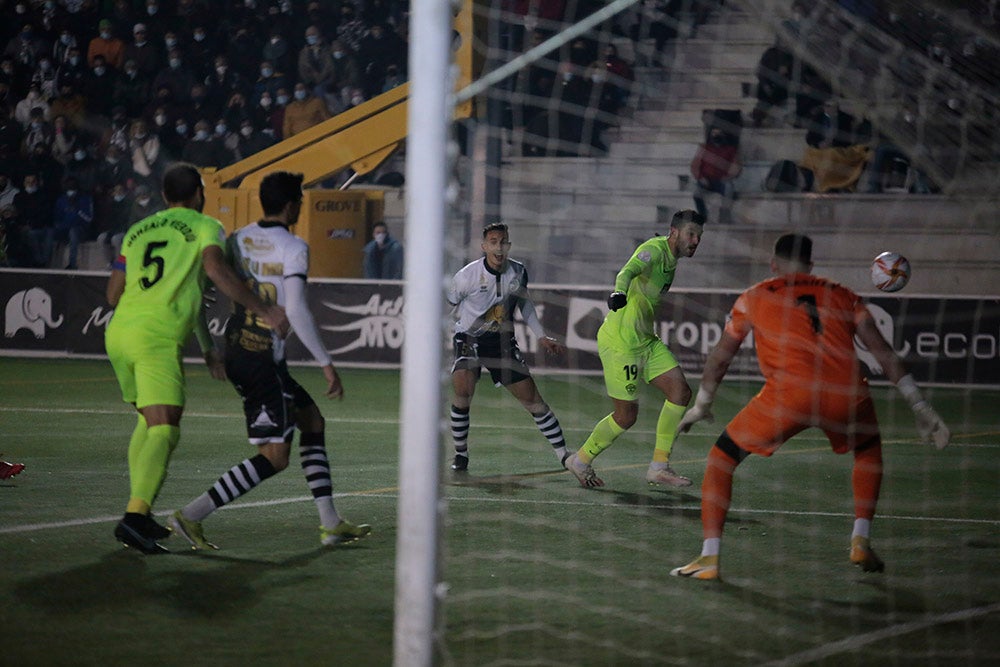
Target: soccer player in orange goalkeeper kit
804 328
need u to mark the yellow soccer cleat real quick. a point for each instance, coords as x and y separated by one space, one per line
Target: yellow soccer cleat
344 532
703 567
863 556
190 531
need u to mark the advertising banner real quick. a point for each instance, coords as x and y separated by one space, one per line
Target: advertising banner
945 340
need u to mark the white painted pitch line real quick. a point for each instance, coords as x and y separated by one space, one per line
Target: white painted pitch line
857 641
512 501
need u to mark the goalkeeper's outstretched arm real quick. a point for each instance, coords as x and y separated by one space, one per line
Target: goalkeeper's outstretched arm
931 427
716 366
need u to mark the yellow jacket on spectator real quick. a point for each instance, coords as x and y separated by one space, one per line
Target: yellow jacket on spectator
302 114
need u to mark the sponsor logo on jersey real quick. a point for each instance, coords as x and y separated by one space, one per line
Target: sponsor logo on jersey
644 256
30 309
253 245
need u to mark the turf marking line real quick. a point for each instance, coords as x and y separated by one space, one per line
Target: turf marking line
392 492
857 641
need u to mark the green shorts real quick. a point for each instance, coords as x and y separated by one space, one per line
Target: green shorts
149 370
623 369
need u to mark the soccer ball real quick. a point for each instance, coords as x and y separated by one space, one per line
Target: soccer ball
890 272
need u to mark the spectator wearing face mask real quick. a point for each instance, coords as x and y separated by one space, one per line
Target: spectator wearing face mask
143 53
71 219
38 132
48 171
114 168
346 75
383 255
26 47
269 81
73 70
204 149
35 213
65 139
316 67
223 80
33 100
144 204
251 140
144 149
83 169
200 51
131 89
107 45
228 140
112 220
99 86
303 112
172 142
62 46
44 77
277 50
176 76
281 101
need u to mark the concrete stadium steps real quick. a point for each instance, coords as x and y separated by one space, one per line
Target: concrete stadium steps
696 55
756 144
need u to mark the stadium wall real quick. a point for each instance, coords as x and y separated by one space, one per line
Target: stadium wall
945 340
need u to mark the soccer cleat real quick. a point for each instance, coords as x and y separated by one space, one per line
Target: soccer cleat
157 531
461 463
8 470
583 472
134 531
189 530
344 532
703 567
863 556
666 476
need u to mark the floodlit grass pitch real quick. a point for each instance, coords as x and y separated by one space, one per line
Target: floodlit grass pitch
539 571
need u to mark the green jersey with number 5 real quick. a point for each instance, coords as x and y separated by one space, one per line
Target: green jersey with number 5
164 272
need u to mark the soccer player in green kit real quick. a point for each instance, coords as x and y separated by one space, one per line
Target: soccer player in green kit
156 287
630 349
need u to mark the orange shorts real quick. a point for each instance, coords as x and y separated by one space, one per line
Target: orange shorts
777 413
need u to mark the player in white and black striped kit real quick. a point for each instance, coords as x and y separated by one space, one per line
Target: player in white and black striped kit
485 293
275 263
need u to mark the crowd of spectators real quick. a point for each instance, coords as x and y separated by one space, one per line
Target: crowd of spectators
939 88
97 97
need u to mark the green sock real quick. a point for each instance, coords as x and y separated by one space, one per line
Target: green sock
136 442
151 462
666 429
606 432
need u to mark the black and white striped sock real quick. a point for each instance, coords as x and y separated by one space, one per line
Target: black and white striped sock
550 428
460 430
316 466
238 480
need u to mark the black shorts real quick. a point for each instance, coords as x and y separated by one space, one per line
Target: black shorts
270 395
497 352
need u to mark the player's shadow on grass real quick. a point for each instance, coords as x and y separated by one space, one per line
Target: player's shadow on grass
674 503
126 580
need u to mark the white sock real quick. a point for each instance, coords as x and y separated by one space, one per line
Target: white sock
710 547
328 516
862 528
560 453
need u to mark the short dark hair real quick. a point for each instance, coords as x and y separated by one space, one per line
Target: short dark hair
279 189
181 182
495 227
687 215
794 247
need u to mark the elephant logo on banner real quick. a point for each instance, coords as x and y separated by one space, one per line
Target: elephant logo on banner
885 325
30 309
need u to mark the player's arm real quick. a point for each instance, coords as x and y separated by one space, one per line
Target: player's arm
530 317
213 358
227 282
635 266
305 328
716 366
931 427
116 284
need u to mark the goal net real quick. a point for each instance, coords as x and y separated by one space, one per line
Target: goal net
582 143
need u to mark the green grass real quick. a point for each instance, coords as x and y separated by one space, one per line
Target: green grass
538 570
